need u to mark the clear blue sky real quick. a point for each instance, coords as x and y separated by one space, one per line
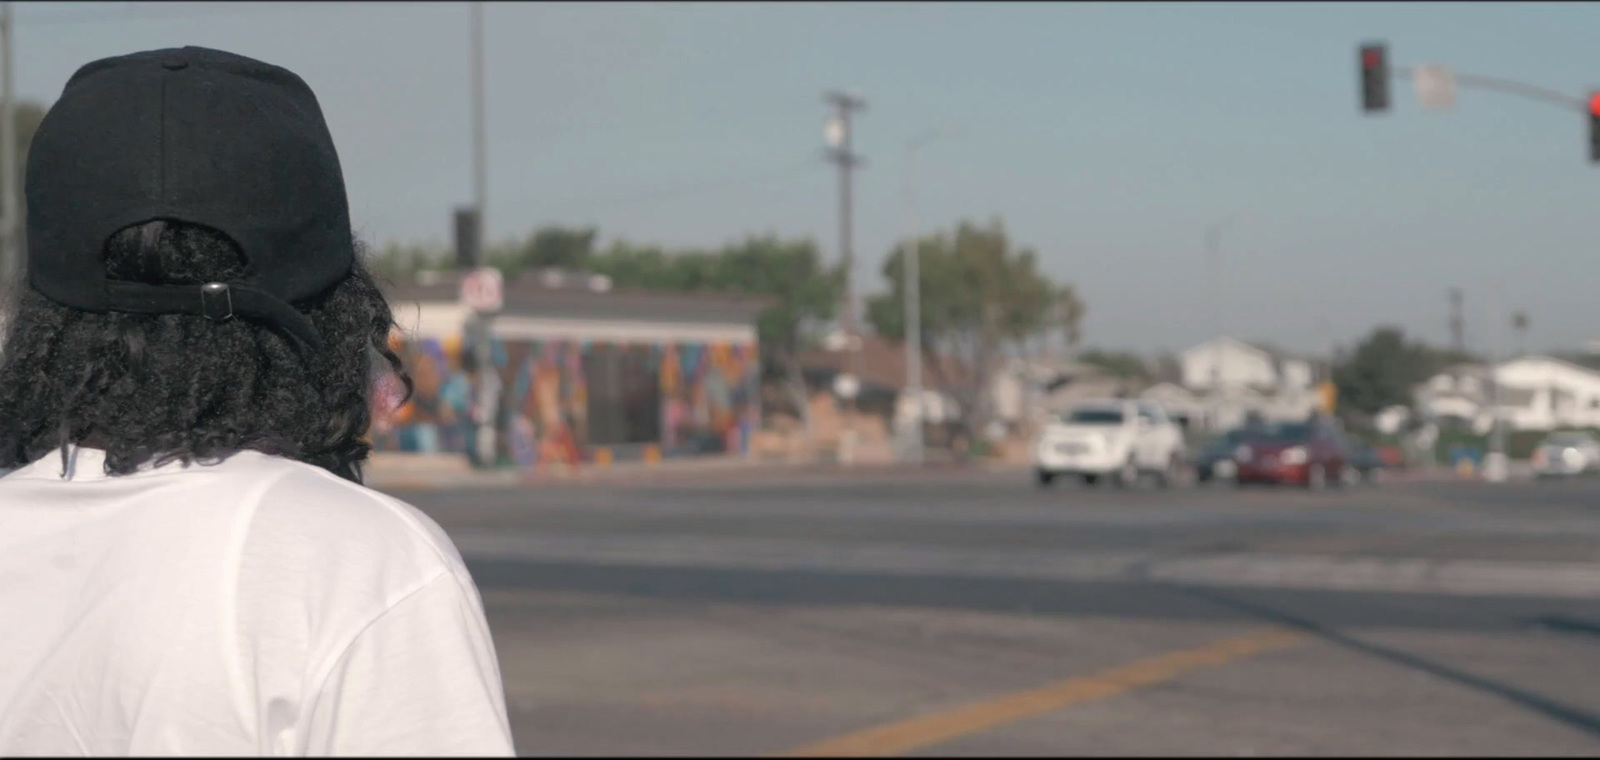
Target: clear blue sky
1107 136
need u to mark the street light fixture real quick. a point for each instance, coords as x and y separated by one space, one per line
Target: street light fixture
833 131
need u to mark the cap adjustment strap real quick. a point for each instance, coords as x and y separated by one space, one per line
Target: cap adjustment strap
216 301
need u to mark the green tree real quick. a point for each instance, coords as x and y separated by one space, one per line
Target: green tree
981 299
1383 369
570 248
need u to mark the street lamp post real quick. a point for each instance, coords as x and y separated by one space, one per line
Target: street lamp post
1214 258
911 273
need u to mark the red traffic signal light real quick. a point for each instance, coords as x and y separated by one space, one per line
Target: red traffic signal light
1374 78
1594 127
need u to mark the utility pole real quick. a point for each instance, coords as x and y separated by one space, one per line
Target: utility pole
1457 324
839 138
488 404
10 194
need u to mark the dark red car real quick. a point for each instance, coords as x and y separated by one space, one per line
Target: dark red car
1310 454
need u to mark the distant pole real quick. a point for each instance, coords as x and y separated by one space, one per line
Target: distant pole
1457 324
1494 463
10 194
1325 339
1214 257
483 356
480 160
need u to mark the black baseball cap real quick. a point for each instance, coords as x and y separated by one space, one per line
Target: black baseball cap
198 136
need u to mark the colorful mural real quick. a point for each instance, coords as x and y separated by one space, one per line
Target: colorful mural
437 417
707 402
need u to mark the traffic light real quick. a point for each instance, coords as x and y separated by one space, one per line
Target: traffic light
469 238
1594 127
1374 78
1327 397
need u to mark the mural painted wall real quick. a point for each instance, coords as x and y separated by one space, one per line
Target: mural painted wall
704 399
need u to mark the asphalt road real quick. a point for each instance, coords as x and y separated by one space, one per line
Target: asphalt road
974 614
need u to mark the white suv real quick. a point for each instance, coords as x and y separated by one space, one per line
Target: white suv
1115 439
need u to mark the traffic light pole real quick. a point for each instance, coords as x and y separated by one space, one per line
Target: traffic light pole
1530 91
483 356
1375 99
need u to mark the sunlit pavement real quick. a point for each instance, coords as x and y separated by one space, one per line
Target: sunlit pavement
976 614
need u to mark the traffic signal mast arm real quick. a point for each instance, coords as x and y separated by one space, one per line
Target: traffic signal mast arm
1534 92
1589 107
1436 85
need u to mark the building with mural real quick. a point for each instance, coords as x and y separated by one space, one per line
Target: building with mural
579 373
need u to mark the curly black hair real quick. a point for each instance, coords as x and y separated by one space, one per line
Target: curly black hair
180 387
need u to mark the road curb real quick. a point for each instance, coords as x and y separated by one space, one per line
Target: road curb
398 477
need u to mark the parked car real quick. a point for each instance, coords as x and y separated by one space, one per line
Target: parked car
1116 440
1365 463
1214 461
1561 454
1309 454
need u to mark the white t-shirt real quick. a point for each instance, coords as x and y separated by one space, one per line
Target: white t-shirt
259 606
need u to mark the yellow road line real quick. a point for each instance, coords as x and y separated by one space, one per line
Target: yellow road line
914 733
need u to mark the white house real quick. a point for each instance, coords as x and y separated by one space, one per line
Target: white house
1535 393
1233 363
1238 379
1459 392
1563 394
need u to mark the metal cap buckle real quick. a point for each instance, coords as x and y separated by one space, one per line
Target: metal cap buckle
216 301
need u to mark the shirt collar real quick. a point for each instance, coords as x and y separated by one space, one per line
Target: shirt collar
84 464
